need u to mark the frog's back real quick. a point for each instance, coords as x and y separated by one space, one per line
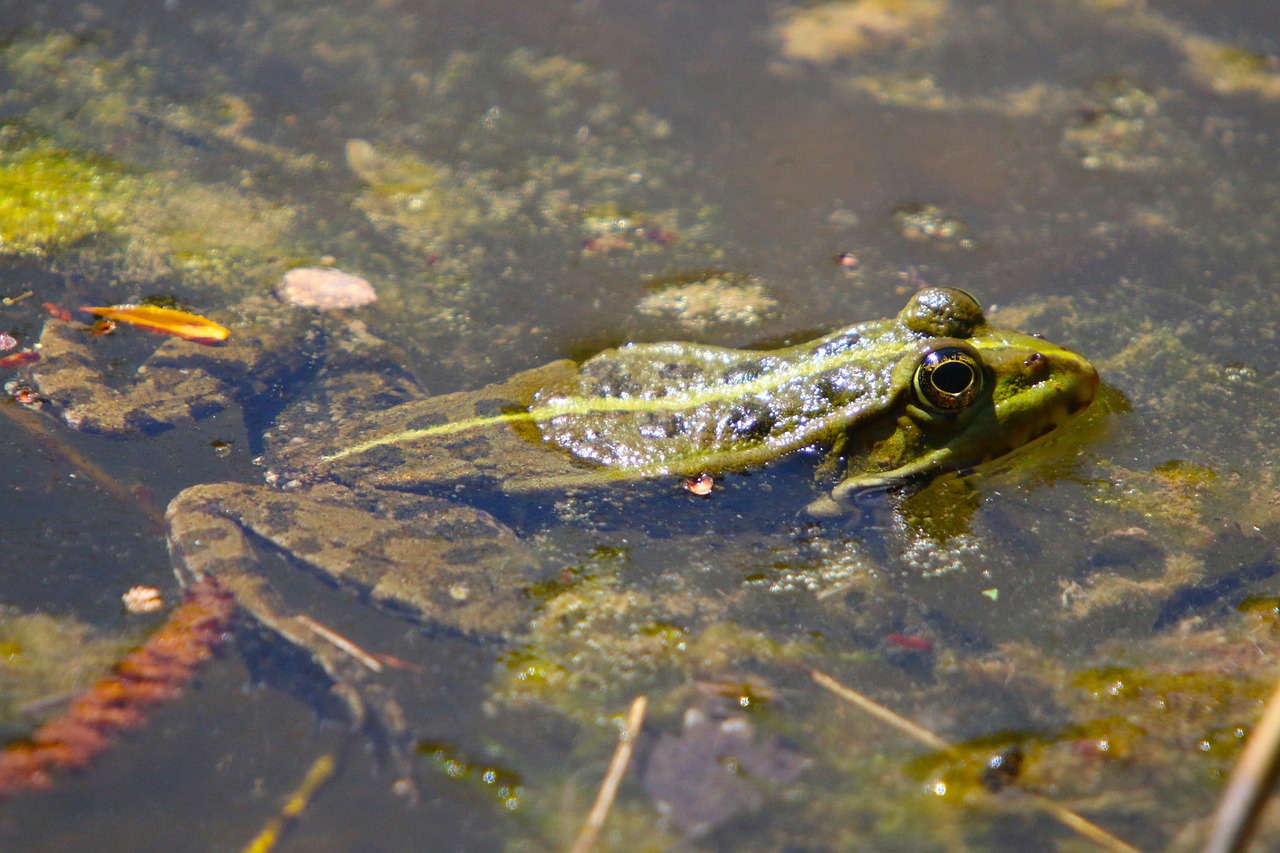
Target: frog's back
933 389
679 408
641 410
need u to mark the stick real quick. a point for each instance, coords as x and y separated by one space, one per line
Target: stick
341 642
321 771
1062 814
880 712
612 778
1241 802
46 438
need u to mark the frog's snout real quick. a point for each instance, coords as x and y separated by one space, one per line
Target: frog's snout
1079 380
1087 387
1073 381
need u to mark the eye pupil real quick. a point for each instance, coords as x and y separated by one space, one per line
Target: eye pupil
948 379
953 377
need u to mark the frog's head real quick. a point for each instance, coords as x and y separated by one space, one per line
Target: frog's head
965 394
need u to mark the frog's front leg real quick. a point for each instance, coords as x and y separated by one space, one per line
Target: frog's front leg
179 381
426 558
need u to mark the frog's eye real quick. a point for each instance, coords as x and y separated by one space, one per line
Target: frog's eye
948 379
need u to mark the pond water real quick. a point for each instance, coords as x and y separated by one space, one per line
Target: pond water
526 182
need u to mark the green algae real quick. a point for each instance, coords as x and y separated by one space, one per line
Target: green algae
489 778
48 658
210 237
53 198
512 165
134 215
598 643
427 205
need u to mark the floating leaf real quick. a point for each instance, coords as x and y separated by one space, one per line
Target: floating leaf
168 321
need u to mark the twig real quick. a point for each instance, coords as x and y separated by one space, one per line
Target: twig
50 441
1062 814
1079 825
1241 802
336 639
880 712
612 778
321 771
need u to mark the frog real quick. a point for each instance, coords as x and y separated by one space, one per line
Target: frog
375 484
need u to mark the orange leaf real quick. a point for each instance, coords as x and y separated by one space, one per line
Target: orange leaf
168 321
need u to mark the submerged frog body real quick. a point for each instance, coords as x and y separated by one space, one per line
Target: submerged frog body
933 390
357 473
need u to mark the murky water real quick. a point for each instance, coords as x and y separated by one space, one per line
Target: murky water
522 185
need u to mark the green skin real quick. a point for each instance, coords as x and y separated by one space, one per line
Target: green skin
354 471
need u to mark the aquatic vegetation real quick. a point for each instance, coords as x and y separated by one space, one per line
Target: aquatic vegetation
217 237
145 218
485 192
52 198
849 40
1230 70
142 679
830 31
1218 65
511 164
1123 129
597 643
43 657
701 301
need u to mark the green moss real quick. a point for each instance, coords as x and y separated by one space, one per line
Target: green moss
208 234
1229 70
1180 472
51 198
597 644
422 201
1202 689
136 213
1265 607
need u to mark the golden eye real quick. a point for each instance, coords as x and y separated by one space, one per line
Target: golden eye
948 379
